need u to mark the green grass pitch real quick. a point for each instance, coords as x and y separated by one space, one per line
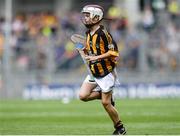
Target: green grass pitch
140 116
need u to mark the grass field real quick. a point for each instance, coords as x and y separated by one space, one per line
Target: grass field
140 116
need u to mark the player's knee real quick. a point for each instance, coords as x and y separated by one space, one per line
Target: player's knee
106 103
83 97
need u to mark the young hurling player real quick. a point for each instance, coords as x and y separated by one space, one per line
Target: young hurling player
101 51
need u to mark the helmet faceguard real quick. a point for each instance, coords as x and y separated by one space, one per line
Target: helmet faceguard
95 15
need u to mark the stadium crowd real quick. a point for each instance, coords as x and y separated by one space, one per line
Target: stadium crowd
157 30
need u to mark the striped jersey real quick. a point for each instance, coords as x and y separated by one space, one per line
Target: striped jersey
99 43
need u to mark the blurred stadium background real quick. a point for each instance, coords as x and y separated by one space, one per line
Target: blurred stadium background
35 46
38 61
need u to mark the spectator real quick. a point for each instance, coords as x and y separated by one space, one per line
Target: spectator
148 19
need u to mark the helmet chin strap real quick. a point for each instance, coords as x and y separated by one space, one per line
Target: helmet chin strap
89 26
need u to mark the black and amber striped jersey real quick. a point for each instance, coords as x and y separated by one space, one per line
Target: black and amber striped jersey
97 44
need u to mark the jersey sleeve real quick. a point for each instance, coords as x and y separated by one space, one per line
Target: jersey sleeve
109 44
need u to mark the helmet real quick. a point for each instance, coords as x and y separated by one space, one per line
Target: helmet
93 10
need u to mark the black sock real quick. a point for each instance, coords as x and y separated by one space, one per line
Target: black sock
118 125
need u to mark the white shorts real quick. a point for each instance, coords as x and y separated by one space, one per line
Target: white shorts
104 84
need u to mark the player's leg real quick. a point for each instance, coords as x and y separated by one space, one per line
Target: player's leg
107 84
86 92
106 102
98 89
112 112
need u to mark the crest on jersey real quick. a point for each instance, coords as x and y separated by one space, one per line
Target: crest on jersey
111 46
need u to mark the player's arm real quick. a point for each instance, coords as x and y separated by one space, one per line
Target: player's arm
112 49
108 54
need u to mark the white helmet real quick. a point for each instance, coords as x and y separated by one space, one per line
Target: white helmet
93 10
